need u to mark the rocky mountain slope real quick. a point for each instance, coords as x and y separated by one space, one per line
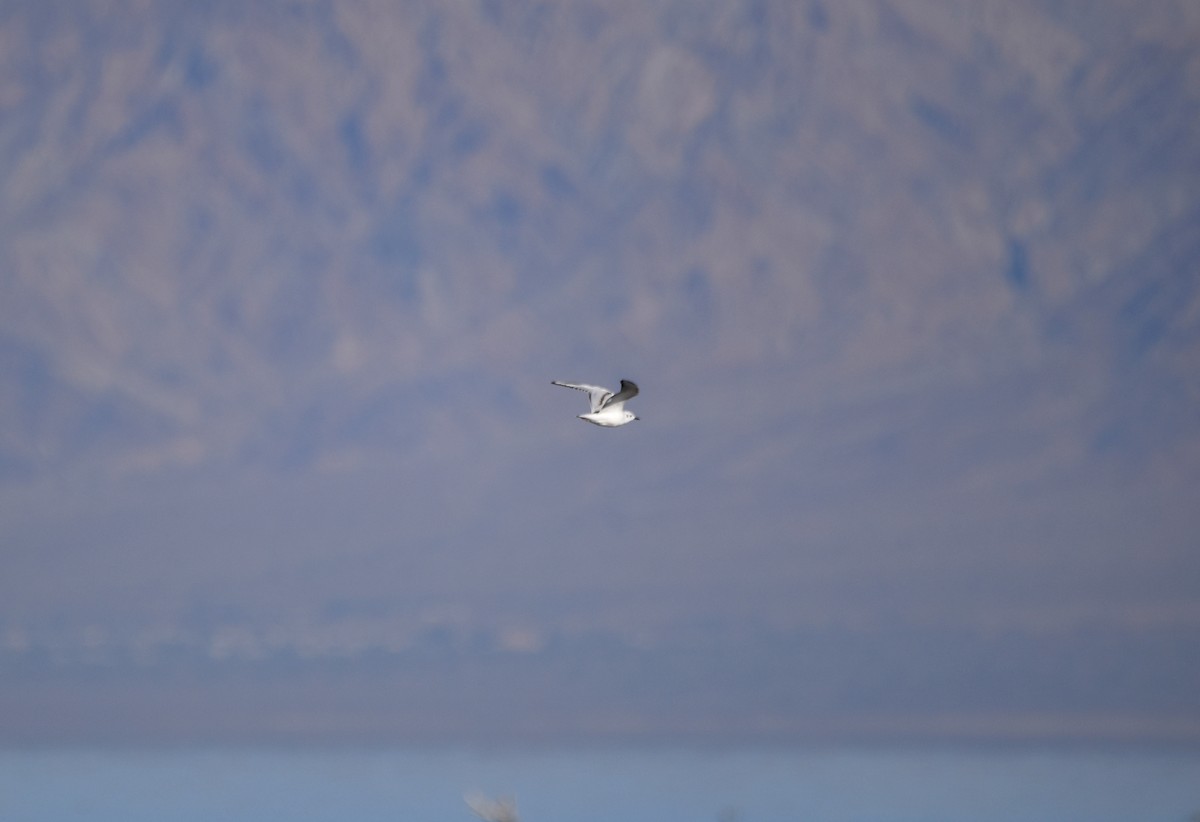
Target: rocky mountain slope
254 234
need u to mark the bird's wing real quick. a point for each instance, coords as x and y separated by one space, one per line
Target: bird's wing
628 391
598 396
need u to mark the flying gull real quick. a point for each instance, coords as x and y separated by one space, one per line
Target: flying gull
608 409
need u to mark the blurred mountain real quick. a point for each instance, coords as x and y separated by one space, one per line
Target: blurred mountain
288 233
912 289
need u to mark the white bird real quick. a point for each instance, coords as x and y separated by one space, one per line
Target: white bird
608 409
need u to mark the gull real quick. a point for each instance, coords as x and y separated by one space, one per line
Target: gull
608 409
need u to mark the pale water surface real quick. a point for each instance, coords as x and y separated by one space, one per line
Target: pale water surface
589 786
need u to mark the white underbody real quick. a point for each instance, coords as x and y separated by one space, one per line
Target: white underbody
609 417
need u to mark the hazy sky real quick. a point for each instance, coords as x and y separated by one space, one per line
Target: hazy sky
910 290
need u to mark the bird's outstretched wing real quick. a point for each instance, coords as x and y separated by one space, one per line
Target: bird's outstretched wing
628 391
597 395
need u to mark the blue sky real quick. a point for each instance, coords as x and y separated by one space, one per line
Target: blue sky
910 292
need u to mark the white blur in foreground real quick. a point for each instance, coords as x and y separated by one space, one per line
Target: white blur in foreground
503 809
